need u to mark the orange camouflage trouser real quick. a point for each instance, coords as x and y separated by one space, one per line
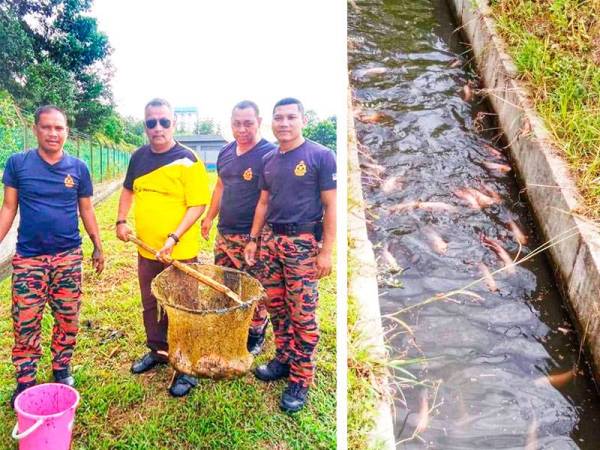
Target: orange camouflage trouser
229 252
289 277
37 280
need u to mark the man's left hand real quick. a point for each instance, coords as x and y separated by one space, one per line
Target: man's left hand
98 260
323 264
164 254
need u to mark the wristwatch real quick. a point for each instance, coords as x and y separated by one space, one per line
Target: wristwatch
253 239
174 237
120 222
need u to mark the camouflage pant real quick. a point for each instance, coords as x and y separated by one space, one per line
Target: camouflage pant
289 277
37 280
229 252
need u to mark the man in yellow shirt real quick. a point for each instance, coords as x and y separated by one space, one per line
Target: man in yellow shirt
169 184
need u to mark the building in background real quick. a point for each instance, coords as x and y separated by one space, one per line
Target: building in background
186 118
207 146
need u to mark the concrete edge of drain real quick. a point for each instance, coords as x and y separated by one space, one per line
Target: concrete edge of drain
7 249
362 286
551 190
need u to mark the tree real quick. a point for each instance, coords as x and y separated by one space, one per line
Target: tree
321 131
206 126
52 52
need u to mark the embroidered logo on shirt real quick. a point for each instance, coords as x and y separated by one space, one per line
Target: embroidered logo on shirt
300 169
69 181
247 174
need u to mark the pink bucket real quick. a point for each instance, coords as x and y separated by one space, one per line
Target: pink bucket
45 417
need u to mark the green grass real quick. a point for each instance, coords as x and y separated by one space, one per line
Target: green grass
556 47
362 386
122 411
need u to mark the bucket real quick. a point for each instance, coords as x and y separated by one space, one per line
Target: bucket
45 417
208 331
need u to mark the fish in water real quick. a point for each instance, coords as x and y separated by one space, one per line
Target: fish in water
373 117
504 168
391 184
371 71
495 246
468 197
491 192
558 379
493 151
354 6
423 416
488 277
437 242
454 63
427 206
518 234
482 199
468 93
390 261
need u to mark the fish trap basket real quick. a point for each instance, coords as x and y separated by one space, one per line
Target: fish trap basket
208 331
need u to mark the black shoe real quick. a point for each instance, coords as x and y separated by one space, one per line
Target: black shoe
64 376
273 370
293 398
255 342
20 388
182 385
147 362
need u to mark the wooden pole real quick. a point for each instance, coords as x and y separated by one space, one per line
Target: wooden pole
191 272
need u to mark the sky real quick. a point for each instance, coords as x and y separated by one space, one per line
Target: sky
213 54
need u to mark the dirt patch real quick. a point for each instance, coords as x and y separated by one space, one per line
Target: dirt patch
595 53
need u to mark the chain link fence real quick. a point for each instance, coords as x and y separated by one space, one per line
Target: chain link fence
106 161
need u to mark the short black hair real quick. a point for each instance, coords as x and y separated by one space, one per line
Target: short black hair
290 101
244 104
46 109
157 103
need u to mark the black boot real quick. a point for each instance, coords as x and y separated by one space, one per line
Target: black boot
64 376
255 342
293 398
147 362
182 385
20 388
273 370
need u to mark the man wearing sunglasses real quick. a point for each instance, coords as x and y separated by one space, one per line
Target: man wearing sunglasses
169 184
234 201
297 201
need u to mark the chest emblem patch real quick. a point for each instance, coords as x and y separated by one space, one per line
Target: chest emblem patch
300 169
247 174
69 181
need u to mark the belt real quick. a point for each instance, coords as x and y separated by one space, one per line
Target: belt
293 229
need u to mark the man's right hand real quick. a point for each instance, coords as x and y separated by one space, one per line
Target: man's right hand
123 232
205 227
250 253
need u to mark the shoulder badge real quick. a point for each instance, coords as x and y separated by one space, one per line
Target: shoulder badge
247 174
69 181
300 169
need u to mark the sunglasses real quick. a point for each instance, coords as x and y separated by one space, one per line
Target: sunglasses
164 122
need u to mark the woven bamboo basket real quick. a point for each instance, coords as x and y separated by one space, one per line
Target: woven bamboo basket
207 331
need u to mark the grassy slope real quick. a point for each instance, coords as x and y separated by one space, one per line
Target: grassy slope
119 410
556 47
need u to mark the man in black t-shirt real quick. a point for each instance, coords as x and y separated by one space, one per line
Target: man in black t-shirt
297 201
234 199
